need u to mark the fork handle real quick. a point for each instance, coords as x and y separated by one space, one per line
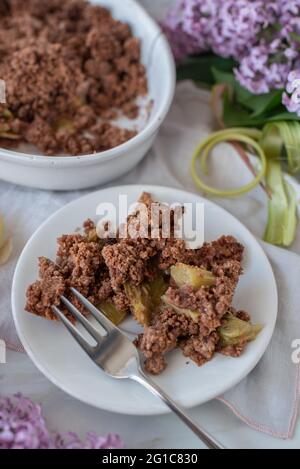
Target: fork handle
205 437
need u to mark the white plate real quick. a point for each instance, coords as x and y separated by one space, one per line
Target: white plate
59 357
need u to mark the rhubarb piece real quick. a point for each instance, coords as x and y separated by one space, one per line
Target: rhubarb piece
189 275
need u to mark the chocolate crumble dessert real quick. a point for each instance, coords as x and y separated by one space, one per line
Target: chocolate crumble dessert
69 69
182 297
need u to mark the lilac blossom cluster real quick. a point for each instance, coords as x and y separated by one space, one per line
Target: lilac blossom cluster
22 426
291 98
262 36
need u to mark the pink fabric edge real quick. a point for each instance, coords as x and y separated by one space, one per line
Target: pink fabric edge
264 429
14 347
255 425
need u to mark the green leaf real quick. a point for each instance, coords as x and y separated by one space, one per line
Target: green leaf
241 94
263 103
199 68
258 104
237 116
246 109
283 116
221 77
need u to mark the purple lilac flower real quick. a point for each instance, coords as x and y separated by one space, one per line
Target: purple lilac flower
182 39
291 98
182 44
198 18
268 64
72 441
228 27
237 25
288 13
258 73
262 35
22 426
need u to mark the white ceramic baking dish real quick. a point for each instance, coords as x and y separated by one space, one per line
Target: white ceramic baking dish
70 173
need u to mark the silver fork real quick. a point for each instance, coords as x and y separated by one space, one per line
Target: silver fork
117 356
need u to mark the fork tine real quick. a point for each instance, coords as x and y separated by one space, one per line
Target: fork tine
73 331
85 322
96 313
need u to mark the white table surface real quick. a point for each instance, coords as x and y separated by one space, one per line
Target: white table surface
64 413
